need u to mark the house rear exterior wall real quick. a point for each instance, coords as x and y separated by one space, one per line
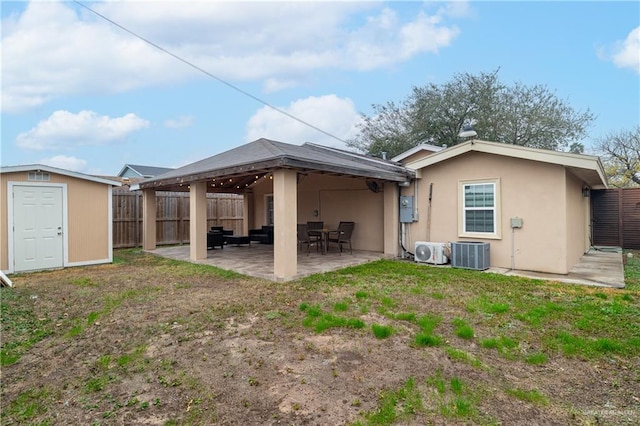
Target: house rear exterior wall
336 199
533 191
88 206
578 220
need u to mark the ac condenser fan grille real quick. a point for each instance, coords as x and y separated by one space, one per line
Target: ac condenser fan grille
423 252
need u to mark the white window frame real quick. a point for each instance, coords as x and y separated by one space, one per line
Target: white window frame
462 209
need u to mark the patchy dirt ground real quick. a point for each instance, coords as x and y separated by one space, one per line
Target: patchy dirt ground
155 342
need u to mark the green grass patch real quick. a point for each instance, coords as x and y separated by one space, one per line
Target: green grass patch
537 358
453 398
405 316
394 406
589 348
543 313
341 306
462 329
381 331
21 329
503 344
27 405
632 270
428 323
362 294
320 321
533 396
464 357
425 339
83 282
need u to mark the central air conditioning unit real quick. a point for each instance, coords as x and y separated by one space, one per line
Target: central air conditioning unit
428 252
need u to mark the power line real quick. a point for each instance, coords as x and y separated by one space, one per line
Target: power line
202 70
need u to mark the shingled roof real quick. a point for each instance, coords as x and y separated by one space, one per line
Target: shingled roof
244 163
143 171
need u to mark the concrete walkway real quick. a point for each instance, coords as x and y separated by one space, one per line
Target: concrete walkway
599 267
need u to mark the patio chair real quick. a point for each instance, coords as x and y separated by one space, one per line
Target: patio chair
316 237
303 237
342 236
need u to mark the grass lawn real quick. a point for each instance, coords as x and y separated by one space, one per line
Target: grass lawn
149 340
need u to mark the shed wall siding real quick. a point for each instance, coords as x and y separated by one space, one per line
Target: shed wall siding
88 218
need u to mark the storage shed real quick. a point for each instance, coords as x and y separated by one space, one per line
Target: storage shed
53 218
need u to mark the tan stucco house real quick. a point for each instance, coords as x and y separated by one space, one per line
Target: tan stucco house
282 185
472 191
53 218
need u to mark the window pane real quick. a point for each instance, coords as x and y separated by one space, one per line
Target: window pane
479 221
481 195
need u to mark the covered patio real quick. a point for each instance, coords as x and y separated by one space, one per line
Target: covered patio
256 260
284 185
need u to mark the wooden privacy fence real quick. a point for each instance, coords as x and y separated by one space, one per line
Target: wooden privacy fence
616 217
172 216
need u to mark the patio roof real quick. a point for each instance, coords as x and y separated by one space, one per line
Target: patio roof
238 169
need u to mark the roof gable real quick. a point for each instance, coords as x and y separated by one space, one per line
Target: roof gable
423 147
586 167
63 172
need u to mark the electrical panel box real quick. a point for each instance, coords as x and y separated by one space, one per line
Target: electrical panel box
516 222
406 209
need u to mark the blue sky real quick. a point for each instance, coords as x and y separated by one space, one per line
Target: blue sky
82 94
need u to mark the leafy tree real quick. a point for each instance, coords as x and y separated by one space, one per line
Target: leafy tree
621 154
522 115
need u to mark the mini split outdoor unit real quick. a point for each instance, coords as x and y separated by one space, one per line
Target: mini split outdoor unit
427 252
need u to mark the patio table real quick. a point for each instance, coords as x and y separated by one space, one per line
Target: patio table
324 236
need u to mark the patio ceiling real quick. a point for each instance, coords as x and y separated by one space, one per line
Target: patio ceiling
239 169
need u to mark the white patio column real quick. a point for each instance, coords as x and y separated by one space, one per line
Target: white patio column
149 219
198 221
391 218
285 218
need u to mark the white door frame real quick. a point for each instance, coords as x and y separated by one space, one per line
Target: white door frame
10 220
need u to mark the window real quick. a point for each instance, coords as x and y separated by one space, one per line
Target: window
38 176
268 201
480 209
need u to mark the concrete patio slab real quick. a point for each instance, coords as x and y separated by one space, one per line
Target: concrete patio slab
256 259
601 267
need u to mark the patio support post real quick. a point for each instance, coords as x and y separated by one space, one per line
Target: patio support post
198 221
285 218
391 218
149 219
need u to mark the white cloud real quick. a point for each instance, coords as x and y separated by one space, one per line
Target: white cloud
626 54
330 113
66 130
65 162
180 122
56 49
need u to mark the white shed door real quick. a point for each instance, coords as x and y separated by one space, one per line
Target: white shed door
37 227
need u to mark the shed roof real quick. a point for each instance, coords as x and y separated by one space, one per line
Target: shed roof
244 163
588 168
64 172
